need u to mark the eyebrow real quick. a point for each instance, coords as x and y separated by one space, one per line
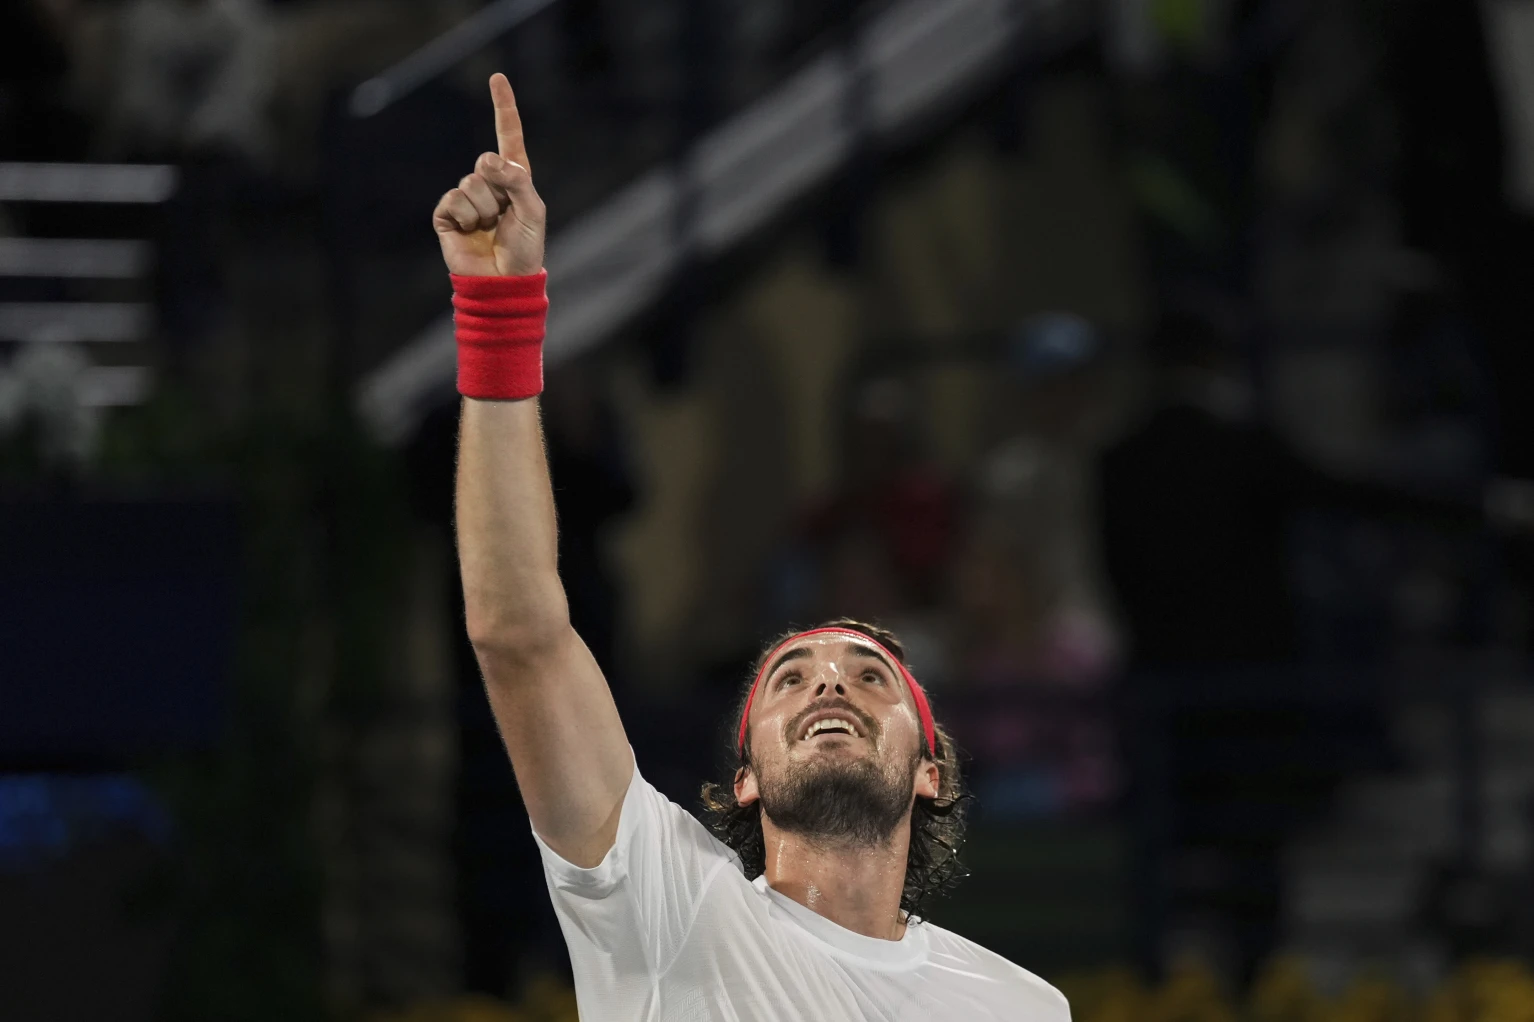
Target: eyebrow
856 648
797 653
859 649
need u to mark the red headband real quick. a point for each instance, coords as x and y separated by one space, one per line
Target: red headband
923 710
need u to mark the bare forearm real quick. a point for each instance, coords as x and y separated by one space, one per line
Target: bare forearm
555 713
506 528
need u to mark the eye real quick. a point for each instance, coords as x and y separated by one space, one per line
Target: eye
791 678
873 676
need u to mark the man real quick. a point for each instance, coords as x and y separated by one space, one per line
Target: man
843 809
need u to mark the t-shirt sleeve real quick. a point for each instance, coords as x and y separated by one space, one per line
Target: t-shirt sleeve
646 891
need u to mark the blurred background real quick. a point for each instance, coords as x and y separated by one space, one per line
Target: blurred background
1158 369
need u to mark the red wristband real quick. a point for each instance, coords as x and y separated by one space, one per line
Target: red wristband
499 323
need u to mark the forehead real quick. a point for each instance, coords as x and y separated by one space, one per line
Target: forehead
830 646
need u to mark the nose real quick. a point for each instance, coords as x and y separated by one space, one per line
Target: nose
823 684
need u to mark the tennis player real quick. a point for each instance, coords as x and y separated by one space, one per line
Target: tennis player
802 903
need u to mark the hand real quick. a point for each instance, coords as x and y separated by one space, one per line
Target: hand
492 224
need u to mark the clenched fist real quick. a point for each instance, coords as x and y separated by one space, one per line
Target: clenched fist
492 224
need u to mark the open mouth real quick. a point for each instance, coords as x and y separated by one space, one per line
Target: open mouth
832 725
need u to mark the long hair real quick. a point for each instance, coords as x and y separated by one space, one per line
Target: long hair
937 824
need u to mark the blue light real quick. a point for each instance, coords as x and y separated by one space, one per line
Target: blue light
44 816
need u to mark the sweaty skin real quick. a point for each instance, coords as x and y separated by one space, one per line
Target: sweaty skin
856 886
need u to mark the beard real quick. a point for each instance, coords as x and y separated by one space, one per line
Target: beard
856 804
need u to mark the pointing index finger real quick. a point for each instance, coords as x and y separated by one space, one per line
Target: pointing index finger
508 122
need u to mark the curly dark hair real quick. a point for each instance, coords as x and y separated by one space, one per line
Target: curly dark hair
937 824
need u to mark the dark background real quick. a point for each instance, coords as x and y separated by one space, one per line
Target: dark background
1162 382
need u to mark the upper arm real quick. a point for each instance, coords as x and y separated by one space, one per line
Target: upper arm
566 743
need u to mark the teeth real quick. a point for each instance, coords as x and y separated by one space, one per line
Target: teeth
830 724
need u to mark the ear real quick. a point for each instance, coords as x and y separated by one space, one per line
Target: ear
745 787
928 779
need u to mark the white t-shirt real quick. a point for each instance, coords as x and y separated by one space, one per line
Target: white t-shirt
667 929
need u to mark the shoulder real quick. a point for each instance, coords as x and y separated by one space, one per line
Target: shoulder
656 838
948 949
646 804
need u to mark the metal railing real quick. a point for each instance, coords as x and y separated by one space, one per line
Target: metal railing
728 161
70 273
442 54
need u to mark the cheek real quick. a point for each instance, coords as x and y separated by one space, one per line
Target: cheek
767 739
901 739
900 719
768 728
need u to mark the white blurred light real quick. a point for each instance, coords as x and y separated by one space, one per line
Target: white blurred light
87 182
56 257
73 321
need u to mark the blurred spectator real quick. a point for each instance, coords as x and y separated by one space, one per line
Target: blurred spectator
1028 581
1006 607
859 572
887 534
880 546
1030 667
1036 645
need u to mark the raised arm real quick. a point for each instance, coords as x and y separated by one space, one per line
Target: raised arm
551 702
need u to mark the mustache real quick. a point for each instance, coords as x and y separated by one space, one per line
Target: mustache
867 722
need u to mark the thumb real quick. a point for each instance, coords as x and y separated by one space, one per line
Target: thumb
514 178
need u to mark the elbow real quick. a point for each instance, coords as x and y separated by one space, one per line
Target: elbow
526 635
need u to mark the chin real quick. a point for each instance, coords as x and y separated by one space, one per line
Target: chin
838 747
841 762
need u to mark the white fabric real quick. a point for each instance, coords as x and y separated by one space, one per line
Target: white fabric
667 929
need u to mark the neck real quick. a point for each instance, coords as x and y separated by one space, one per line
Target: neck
855 886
